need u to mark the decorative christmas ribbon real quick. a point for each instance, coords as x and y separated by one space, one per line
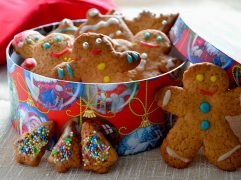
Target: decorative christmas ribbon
144 116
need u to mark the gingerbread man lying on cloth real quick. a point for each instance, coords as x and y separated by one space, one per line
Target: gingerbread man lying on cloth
202 106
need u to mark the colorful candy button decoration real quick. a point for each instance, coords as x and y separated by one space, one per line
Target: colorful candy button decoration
57 38
106 79
199 77
69 70
30 41
205 125
60 73
46 45
36 38
213 78
147 35
159 38
205 107
101 66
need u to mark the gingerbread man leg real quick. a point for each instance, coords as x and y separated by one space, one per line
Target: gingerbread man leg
181 145
223 149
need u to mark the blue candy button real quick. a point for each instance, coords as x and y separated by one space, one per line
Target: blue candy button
205 107
205 125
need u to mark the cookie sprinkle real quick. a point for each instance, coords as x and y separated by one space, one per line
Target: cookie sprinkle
63 150
32 142
94 149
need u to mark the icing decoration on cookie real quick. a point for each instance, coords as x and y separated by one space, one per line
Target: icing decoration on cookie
118 32
59 54
144 56
199 77
60 73
98 41
93 12
29 64
167 97
32 142
159 38
69 70
205 107
205 125
85 45
213 78
95 149
99 25
170 63
57 38
229 153
164 22
63 151
147 35
46 45
101 66
172 153
129 58
106 79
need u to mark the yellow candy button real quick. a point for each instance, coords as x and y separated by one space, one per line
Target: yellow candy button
199 77
213 78
106 79
101 66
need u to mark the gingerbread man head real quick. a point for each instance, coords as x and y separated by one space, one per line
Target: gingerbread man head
52 50
202 107
25 41
110 25
206 80
152 42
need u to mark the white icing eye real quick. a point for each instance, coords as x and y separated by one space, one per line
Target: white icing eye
93 12
98 41
85 45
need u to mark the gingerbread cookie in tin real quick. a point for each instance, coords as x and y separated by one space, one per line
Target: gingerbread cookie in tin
111 25
24 42
97 61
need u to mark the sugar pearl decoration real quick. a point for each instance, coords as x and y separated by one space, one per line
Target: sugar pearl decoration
85 45
98 41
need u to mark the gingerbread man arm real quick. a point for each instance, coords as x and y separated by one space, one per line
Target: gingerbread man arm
127 60
232 102
172 99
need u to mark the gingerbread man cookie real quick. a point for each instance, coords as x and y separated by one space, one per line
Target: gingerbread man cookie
24 42
97 61
111 25
202 106
97 153
66 26
66 152
51 51
154 46
30 147
148 20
